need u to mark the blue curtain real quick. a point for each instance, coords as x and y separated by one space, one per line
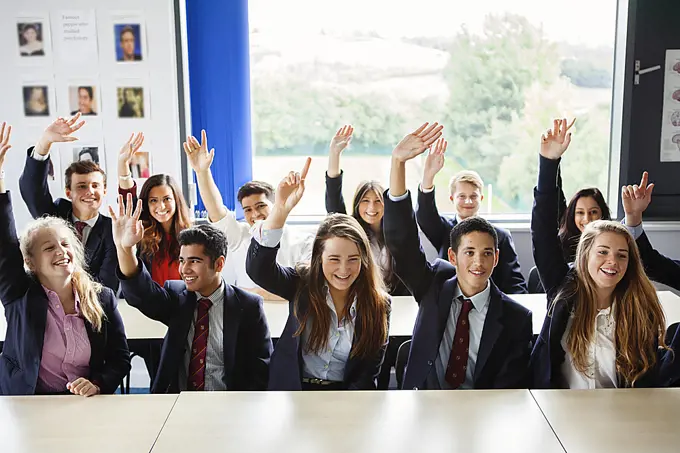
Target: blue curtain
219 84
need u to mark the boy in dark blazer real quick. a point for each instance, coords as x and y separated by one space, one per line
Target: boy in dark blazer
85 184
468 334
466 196
218 337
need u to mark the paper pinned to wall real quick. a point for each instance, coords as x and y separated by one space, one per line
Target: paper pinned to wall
670 128
75 35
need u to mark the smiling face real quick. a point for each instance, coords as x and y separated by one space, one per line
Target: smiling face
608 260
475 260
87 194
161 204
371 208
587 210
52 254
466 198
256 207
84 101
341 263
196 270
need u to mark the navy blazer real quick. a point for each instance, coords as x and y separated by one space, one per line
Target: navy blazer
658 267
100 251
503 358
26 307
548 355
285 371
246 339
507 275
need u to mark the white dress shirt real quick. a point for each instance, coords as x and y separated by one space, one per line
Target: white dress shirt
294 249
602 354
214 355
476 317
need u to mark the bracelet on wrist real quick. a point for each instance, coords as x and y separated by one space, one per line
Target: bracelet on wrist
125 177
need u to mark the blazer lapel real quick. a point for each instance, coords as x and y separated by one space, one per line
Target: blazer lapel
231 319
444 306
491 331
94 239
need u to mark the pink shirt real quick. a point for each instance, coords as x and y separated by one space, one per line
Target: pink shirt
66 348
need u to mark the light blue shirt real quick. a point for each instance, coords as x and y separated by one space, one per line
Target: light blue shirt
476 317
635 231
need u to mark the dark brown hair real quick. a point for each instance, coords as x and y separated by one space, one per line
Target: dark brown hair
82 167
569 233
255 188
154 234
371 299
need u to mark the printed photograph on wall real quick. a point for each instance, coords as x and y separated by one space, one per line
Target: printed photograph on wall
130 102
31 39
83 99
36 100
128 41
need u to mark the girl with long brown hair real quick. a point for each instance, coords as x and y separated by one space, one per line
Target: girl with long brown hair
336 334
605 326
64 332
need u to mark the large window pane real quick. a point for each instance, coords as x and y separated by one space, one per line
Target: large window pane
494 72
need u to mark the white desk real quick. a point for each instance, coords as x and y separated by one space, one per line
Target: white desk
357 422
73 424
404 312
622 421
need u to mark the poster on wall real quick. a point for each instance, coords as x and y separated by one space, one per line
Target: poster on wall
33 38
129 38
132 99
81 151
670 127
38 98
75 37
83 98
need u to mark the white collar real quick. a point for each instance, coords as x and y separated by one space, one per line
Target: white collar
479 300
89 223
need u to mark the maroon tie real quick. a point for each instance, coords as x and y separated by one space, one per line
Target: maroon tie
196 374
80 226
455 371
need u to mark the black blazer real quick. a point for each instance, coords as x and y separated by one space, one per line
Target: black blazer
247 343
658 267
285 372
503 358
100 251
507 275
26 306
548 355
335 203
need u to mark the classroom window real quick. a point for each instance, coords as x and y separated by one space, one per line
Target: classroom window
493 72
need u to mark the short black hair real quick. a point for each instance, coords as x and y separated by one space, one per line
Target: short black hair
213 240
88 89
470 225
255 188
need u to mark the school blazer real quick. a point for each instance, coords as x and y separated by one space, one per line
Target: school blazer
26 305
100 250
335 203
658 267
507 275
503 358
548 355
246 340
285 371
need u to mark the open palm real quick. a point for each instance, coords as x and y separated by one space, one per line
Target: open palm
415 143
342 139
127 228
556 141
130 148
5 133
61 129
434 161
197 153
291 188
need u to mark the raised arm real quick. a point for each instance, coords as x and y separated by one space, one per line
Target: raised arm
127 152
261 264
200 160
401 231
33 181
433 225
13 279
335 202
547 249
138 287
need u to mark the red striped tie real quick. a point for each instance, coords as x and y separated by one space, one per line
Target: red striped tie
455 372
196 375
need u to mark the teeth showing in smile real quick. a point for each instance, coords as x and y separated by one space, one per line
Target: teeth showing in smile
189 279
62 262
610 272
342 278
477 273
162 212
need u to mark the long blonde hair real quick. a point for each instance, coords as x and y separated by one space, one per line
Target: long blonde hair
639 317
88 290
369 290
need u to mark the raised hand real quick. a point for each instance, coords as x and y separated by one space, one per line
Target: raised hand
556 140
83 387
197 153
59 131
415 143
5 133
291 188
434 162
635 200
342 139
127 228
128 150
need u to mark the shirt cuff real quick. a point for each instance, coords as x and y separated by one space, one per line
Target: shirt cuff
635 231
431 189
39 157
399 198
267 238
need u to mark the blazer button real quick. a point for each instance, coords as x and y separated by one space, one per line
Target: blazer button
429 362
